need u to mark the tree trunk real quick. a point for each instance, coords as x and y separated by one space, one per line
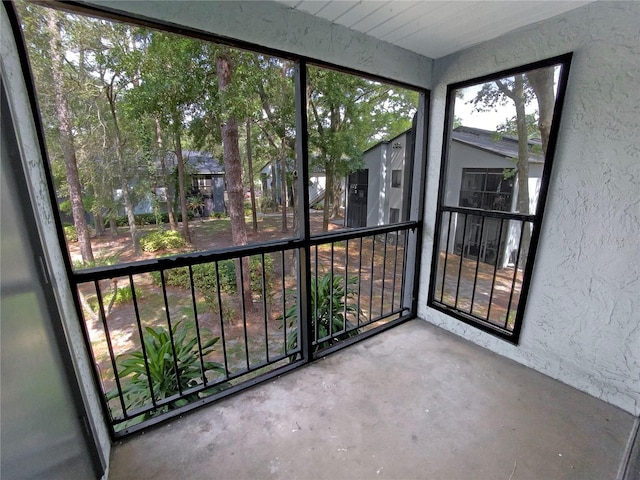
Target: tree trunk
177 127
65 129
541 81
99 223
252 189
283 153
328 189
274 192
296 219
283 185
523 163
337 197
165 177
233 174
113 226
126 195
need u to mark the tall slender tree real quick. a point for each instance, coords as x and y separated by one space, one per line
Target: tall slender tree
233 167
65 128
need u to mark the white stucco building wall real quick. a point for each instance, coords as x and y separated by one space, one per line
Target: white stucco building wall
380 161
582 323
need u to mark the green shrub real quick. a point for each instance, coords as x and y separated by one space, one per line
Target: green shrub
70 233
255 266
162 367
267 203
124 295
329 303
205 282
152 242
147 219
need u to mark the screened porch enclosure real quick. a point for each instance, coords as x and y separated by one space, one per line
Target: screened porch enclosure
230 276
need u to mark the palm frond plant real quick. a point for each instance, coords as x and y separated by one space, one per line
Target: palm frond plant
331 313
164 375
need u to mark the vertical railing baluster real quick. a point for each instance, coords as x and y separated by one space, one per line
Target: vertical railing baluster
515 271
373 254
331 293
359 281
264 307
134 298
315 302
464 236
495 269
168 315
475 277
197 325
346 283
405 244
384 272
395 271
220 314
244 312
110 348
284 301
446 258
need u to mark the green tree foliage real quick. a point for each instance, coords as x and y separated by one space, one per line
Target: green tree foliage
347 115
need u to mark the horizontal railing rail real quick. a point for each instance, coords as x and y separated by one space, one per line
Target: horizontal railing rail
490 213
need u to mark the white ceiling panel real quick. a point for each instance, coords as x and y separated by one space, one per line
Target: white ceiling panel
359 11
434 28
335 10
314 7
388 11
390 25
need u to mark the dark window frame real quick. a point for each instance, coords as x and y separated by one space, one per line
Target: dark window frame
512 336
396 178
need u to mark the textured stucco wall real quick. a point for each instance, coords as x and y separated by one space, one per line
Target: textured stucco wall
277 26
582 321
36 181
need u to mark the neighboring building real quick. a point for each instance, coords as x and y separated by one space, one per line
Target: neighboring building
481 174
207 176
270 179
207 180
377 193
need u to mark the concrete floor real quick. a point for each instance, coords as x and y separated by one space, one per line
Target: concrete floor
413 402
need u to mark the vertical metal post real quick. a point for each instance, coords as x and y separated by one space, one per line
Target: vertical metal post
264 308
413 242
304 254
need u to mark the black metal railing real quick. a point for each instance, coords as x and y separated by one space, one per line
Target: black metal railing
174 333
480 266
